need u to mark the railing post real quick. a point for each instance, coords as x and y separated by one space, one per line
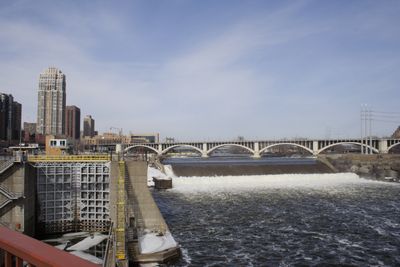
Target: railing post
18 262
7 259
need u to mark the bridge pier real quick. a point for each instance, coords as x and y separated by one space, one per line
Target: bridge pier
315 148
383 147
204 151
256 153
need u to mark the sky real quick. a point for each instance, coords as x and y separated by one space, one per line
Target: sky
209 69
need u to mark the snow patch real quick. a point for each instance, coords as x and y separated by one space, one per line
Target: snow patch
88 242
87 257
153 242
156 173
169 171
75 235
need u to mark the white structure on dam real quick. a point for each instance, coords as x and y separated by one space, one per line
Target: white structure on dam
314 147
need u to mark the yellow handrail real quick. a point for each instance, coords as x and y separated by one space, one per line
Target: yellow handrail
69 158
120 227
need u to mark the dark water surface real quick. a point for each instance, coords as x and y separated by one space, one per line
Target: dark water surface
344 224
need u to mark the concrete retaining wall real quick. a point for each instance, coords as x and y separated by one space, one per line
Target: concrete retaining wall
20 214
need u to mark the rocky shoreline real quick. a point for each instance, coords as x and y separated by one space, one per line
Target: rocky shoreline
384 167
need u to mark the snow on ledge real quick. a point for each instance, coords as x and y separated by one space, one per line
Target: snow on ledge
151 242
87 257
156 173
88 242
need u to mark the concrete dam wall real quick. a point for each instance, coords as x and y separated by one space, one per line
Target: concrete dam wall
204 169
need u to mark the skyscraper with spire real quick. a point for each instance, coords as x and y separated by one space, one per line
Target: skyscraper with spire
51 102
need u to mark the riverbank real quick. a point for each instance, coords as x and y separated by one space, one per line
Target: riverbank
384 167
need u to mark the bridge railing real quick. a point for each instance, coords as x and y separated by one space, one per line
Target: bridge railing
17 249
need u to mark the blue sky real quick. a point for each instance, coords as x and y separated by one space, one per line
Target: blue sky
209 69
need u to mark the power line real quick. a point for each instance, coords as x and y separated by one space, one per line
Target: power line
386 112
387 121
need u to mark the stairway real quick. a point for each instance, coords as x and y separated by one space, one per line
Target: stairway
5 165
10 196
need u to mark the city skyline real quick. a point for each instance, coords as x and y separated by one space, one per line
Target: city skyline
207 70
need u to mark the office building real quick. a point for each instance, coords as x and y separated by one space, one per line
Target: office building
88 126
17 130
144 138
10 118
51 102
29 132
72 122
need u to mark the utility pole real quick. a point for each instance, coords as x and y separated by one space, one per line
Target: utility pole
366 130
362 127
370 130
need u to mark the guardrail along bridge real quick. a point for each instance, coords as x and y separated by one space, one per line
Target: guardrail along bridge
256 148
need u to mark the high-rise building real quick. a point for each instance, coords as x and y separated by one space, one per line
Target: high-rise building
72 122
10 118
51 102
88 126
16 122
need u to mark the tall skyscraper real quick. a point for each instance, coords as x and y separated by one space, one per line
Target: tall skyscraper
10 118
88 126
16 123
51 102
72 122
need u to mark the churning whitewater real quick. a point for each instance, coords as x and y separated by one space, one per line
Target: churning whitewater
260 182
284 220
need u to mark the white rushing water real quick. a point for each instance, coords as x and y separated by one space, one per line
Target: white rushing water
284 220
260 182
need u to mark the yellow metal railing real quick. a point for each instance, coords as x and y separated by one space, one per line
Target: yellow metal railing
69 158
120 227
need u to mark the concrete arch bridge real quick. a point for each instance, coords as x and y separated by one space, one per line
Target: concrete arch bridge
256 148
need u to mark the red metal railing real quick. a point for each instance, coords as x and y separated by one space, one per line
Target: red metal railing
18 248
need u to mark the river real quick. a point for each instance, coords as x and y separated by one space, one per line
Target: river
284 220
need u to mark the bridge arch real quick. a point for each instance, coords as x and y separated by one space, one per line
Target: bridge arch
144 146
392 146
286 144
188 146
347 143
237 145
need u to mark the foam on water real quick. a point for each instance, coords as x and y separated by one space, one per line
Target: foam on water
260 182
